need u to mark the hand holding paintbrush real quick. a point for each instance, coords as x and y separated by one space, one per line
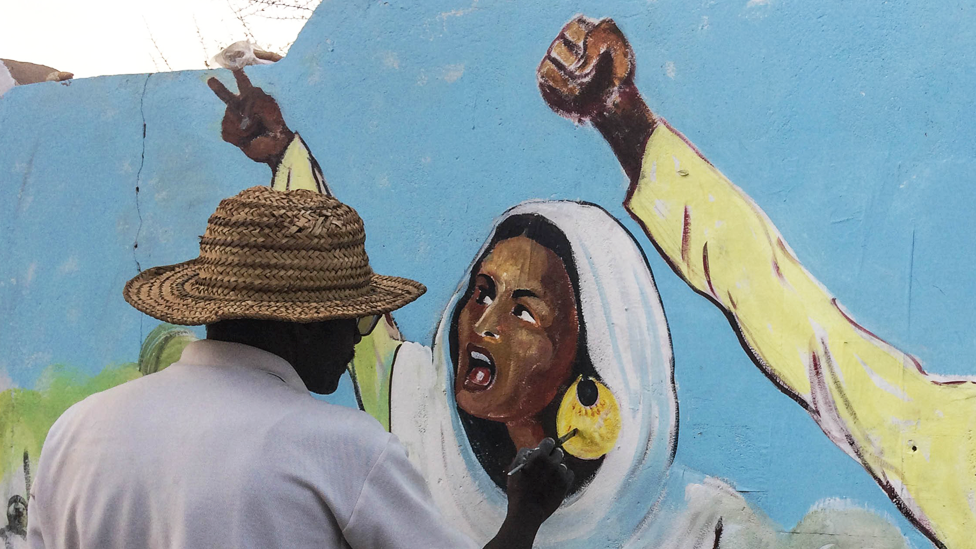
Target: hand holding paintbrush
538 481
522 459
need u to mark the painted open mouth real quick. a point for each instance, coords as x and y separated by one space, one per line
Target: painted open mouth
481 369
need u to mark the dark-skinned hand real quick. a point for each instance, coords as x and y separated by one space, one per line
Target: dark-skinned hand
538 488
252 121
585 67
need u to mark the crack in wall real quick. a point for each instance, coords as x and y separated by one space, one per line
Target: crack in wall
142 162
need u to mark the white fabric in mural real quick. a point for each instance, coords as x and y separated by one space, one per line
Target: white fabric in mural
629 345
639 498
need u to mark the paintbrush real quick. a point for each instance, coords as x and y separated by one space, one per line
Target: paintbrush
559 442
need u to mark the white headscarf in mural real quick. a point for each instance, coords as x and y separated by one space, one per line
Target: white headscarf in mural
630 348
637 498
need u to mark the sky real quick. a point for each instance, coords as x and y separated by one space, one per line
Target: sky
98 37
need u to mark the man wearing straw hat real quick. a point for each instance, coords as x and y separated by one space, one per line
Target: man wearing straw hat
226 448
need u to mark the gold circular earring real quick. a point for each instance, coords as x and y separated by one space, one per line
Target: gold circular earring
590 407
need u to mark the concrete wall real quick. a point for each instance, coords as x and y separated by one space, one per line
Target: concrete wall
849 124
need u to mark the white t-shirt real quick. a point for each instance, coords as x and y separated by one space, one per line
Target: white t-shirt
227 448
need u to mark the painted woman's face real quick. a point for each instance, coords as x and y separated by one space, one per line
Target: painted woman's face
517 333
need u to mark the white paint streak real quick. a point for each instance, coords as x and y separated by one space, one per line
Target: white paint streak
755 3
5 382
824 339
459 12
661 208
669 69
909 502
905 423
451 73
69 266
926 450
391 60
423 248
72 315
38 360
882 383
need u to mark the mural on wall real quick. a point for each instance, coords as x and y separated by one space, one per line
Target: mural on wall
872 400
557 325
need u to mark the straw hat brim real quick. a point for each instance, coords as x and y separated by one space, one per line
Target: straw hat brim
165 293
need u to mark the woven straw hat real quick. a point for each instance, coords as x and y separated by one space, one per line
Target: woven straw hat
296 256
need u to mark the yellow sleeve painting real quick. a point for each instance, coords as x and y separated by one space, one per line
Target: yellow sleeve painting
299 170
371 370
913 432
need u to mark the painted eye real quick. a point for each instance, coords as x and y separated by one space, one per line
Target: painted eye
523 313
590 407
483 296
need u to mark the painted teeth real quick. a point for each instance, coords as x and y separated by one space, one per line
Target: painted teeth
479 356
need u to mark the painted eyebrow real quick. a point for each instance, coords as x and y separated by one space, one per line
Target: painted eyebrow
524 293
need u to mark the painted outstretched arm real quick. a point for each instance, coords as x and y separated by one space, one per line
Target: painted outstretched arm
912 431
253 122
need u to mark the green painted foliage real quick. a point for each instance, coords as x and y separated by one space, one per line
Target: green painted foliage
27 415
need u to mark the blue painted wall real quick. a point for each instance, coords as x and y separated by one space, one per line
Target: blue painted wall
850 124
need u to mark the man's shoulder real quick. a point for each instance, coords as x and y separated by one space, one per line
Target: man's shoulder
317 409
95 401
84 412
316 435
337 421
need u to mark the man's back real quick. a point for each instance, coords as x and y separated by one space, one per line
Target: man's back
225 448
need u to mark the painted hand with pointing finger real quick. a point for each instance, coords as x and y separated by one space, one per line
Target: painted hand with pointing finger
252 121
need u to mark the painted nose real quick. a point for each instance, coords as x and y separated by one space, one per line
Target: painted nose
487 324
